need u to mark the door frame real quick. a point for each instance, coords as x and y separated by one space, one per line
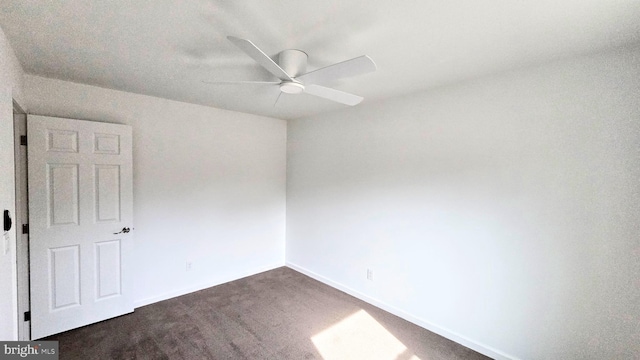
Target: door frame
21 217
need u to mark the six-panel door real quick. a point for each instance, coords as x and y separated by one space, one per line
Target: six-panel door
80 195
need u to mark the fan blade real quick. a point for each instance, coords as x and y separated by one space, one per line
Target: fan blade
242 82
260 57
333 94
356 66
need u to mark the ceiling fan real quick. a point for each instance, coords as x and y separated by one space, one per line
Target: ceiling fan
293 78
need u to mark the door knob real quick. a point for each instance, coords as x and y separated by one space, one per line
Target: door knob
123 231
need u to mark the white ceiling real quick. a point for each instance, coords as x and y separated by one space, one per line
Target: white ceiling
165 48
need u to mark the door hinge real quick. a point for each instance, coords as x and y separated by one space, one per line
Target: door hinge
23 140
25 228
27 316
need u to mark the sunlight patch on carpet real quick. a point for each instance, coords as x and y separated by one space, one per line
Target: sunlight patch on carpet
360 336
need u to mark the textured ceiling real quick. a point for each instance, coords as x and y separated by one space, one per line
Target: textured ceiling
166 48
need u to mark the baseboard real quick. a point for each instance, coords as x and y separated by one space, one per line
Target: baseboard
451 335
202 286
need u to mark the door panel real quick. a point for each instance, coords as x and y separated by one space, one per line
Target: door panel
107 190
62 186
65 277
108 269
80 197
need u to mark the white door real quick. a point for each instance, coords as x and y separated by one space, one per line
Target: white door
80 195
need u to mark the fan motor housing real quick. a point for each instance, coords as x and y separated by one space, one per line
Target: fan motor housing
293 62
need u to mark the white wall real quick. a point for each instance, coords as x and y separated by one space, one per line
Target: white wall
209 184
11 81
502 212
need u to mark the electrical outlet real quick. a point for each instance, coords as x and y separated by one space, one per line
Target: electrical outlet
370 274
189 265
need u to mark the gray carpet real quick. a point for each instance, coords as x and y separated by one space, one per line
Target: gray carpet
278 314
